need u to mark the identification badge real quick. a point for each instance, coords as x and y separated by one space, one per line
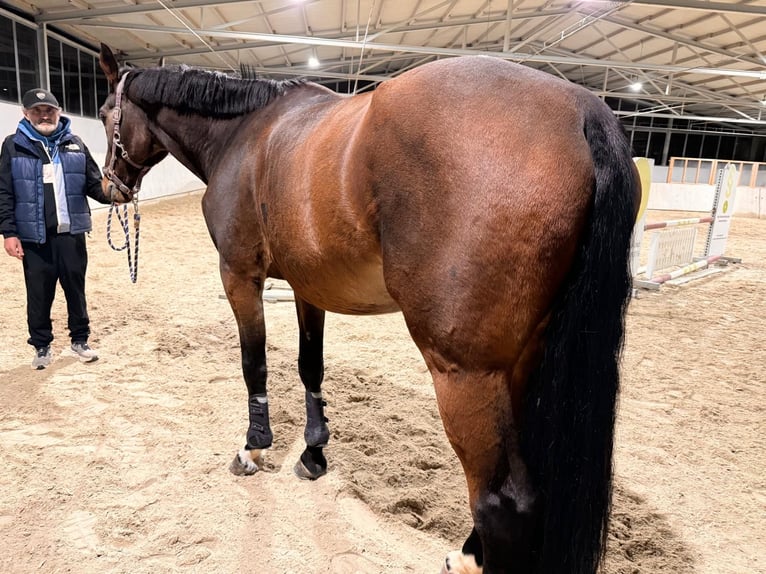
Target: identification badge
47 173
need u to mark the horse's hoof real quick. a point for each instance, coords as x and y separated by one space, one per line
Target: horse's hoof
311 465
302 472
246 462
459 563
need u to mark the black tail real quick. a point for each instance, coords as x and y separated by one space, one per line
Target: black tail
570 412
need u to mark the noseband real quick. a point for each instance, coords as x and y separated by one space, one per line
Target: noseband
117 144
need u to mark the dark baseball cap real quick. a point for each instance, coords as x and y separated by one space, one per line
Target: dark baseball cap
39 97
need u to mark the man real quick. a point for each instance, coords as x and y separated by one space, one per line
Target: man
45 174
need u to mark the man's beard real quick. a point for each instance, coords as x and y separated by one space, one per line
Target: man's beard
45 128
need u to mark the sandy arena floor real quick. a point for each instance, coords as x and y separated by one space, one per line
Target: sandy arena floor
121 466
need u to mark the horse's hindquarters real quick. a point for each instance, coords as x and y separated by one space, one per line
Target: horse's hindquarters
484 212
480 214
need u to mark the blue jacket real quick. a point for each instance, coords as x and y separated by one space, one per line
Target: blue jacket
22 211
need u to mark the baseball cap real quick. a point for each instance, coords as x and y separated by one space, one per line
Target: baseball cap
39 97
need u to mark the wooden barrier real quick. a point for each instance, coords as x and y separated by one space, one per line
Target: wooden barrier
704 171
672 244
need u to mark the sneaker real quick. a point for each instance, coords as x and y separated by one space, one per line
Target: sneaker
86 354
42 358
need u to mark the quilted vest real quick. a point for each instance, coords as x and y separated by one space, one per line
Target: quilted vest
27 171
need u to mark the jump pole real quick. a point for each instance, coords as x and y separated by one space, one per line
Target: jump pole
696 266
678 222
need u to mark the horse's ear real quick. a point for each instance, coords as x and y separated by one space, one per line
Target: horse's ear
109 65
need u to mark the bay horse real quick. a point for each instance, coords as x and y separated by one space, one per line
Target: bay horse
490 203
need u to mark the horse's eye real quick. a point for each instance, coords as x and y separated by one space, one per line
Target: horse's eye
102 116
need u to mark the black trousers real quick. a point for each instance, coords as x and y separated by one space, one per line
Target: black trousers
62 258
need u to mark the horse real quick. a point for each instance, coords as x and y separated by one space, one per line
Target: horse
490 203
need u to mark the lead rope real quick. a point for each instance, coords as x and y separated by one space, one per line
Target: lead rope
123 219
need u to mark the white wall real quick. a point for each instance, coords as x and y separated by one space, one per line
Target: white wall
749 201
167 178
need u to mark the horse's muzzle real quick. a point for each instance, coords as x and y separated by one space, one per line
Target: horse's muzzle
116 191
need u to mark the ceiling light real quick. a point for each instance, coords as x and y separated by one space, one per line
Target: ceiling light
313 62
636 86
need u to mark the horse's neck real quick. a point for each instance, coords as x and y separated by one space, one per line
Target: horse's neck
199 142
195 141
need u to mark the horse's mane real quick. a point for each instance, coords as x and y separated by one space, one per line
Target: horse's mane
202 92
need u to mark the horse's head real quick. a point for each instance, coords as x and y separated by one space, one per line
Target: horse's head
132 146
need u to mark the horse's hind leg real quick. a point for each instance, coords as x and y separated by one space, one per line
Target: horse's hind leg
244 293
312 463
478 419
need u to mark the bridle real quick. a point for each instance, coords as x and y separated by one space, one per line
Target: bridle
117 144
124 189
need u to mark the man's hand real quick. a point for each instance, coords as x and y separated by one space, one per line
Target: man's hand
13 247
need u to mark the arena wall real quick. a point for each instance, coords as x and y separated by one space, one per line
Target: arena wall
170 177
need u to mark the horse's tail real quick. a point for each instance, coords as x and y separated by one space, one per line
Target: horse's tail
568 428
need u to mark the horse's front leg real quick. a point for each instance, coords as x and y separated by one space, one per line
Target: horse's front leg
244 293
312 463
